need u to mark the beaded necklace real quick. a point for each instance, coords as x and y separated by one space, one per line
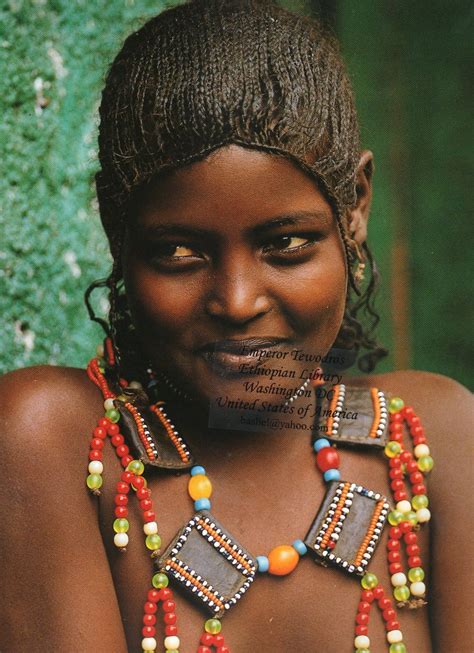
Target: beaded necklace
195 558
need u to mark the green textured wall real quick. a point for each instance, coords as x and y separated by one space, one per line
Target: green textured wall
53 56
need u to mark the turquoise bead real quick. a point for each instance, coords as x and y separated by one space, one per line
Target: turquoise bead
300 547
263 563
332 475
320 444
202 504
198 469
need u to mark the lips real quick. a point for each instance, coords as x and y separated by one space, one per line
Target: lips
228 357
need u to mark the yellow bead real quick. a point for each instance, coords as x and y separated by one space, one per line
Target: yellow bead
199 487
283 559
213 626
392 449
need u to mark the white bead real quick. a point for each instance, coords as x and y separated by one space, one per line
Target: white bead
120 539
99 350
394 636
423 515
361 641
171 642
421 450
109 404
404 506
95 467
150 528
418 589
399 579
149 644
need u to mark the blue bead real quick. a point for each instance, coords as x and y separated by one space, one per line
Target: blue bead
263 563
332 475
202 504
320 444
197 469
300 547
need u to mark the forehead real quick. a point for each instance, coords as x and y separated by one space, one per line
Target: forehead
233 184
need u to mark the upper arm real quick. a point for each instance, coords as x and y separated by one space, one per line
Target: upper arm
57 588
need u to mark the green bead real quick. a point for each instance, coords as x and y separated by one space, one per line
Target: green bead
401 593
213 626
362 650
121 525
153 542
425 463
392 449
136 467
159 581
94 481
416 574
399 647
411 517
369 581
172 650
395 517
395 404
113 415
419 501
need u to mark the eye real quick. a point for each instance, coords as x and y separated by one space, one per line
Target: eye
173 251
288 243
176 251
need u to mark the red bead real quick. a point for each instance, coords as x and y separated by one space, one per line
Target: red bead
416 477
121 499
397 437
405 526
146 504
165 594
218 640
143 493
149 515
223 649
123 488
113 429
378 592
169 618
327 458
400 495
148 631
414 561
170 630
361 630
419 488
95 454
122 450
126 460
395 462
362 618
127 476
367 595
207 639
412 466
123 383
392 625
396 427
100 432
121 511
396 473
169 606
410 538
413 550
397 484
393 545
204 649
417 430
103 422
117 440
149 607
408 412
149 619
396 417
395 567
395 532
385 603
420 439
138 482
394 556
389 614
414 421
153 596
405 456
364 606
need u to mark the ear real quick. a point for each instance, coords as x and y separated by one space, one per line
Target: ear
359 215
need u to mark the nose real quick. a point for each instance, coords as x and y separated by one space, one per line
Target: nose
238 294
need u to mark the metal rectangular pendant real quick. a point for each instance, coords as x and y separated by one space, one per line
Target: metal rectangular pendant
208 564
347 527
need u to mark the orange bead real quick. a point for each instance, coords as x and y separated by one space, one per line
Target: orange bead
199 487
283 559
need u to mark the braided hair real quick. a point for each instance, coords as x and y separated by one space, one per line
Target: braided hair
208 73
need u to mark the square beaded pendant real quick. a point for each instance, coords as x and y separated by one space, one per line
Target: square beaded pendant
347 527
209 564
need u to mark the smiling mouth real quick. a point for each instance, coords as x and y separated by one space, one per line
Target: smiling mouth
230 358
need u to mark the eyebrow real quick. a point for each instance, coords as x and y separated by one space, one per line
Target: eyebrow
296 218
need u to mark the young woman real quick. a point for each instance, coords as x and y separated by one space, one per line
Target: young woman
235 198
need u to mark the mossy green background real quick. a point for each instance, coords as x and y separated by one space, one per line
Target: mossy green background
409 63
